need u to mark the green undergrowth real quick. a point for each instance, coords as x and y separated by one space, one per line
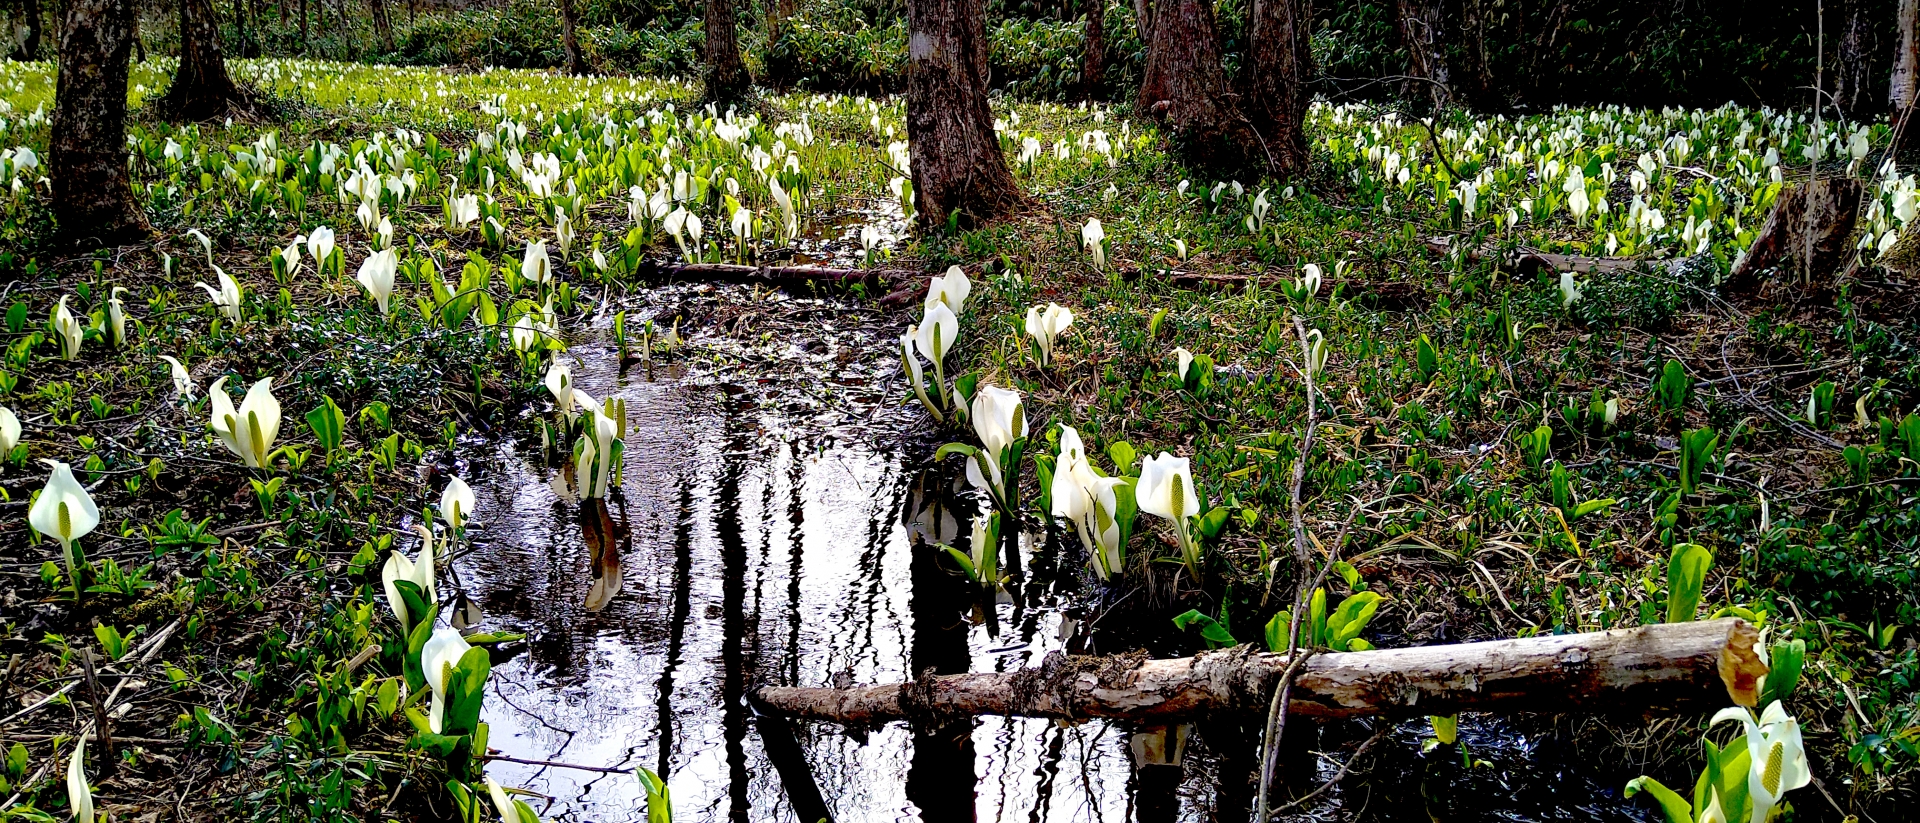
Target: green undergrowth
1473 421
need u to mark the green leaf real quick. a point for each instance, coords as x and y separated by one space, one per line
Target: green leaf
659 798
437 745
1787 660
1590 507
1216 635
955 448
1317 617
1351 618
1427 357
491 638
1686 579
1213 522
416 641
1277 630
966 563
387 698
1677 809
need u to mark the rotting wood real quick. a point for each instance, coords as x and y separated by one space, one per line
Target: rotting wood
1529 260
1669 667
1807 233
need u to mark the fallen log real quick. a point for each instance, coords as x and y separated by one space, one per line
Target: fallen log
1669 667
654 272
1530 260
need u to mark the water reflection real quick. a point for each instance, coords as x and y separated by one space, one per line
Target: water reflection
773 527
761 535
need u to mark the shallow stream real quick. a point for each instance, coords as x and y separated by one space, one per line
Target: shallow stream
773 527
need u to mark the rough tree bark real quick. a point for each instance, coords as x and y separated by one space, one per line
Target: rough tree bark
1906 69
1850 75
1666 667
239 25
1418 22
727 79
30 47
1274 81
1143 20
957 162
382 22
1185 89
1819 217
201 88
1093 71
1475 81
777 13
87 154
570 38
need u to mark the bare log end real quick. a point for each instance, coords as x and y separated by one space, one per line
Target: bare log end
1740 666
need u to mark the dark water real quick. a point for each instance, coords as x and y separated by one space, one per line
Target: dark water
773 527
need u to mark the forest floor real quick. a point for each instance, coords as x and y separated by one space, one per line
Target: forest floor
1465 426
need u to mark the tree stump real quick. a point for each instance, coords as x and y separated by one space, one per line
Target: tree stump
1816 218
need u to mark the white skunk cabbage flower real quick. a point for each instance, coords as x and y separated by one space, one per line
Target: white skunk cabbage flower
227 298
249 432
1093 238
376 276
456 503
64 511
1045 325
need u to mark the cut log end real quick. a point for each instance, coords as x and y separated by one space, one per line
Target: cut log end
1740 667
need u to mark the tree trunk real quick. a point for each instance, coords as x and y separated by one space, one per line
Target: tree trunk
1475 77
1817 219
1665 667
201 89
1143 20
1419 27
87 153
30 47
382 23
1094 70
957 164
1906 71
777 13
1185 89
727 79
1850 76
570 38
239 24
306 42
1274 81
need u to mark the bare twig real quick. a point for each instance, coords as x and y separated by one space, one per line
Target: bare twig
101 723
557 765
1342 773
1303 557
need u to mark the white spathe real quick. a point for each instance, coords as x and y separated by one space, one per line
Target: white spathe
63 511
1166 489
438 656
377 274
419 572
1778 761
248 432
950 288
1046 325
456 503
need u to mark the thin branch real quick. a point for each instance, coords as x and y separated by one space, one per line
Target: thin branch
1344 769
